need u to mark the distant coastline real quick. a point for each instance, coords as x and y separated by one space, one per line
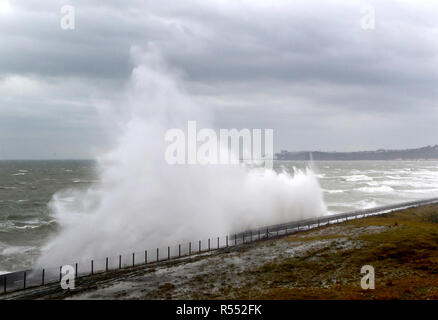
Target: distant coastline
423 153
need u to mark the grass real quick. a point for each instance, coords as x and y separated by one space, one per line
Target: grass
403 253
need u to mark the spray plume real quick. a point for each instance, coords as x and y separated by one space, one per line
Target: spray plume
142 202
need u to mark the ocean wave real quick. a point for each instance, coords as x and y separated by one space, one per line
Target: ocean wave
11 250
365 204
334 191
425 173
397 171
409 183
357 177
26 227
84 181
379 189
397 177
18 226
18 201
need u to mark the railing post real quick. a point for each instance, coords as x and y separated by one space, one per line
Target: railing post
235 239
226 240
145 257
243 237
267 233
120 261
218 242
42 278
158 255
190 248
76 270
250 233
168 253
92 266
60 274
106 264
259 234
133 259
24 280
179 250
208 244
199 246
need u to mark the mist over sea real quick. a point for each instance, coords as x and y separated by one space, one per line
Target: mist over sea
26 188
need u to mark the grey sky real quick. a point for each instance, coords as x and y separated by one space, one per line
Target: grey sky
307 69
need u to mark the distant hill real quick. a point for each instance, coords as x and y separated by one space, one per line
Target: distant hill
429 152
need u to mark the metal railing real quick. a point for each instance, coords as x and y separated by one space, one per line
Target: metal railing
20 280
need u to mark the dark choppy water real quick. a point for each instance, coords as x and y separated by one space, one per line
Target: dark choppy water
26 188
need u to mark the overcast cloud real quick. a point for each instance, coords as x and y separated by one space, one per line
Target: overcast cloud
307 69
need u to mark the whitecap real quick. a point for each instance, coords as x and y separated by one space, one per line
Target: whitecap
357 177
379 189
334 191
17 249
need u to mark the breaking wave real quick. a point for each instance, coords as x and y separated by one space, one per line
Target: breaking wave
141 201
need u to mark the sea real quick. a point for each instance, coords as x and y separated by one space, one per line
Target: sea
26 188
